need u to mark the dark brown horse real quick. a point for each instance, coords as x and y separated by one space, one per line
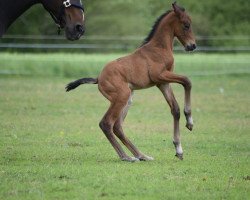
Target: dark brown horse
67 14
150 65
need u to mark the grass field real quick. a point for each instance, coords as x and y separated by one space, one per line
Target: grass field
52 148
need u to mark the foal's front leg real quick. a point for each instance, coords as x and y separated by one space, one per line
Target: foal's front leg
187 109
170 77
175 110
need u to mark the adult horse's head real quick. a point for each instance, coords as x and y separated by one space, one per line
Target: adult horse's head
68 14
183 29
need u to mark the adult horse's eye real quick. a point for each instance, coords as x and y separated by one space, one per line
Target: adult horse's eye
186 26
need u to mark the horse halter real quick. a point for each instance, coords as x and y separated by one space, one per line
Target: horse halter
66 4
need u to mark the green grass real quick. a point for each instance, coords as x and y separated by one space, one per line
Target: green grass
77 65
52 148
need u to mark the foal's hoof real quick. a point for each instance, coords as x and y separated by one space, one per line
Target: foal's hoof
130 159
145 158
180 156
189 126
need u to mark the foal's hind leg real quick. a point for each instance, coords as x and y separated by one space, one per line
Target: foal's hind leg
175 110
120 134
108 121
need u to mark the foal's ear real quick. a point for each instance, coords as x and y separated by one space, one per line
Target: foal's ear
178 10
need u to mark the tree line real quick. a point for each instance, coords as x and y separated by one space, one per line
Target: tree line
135 18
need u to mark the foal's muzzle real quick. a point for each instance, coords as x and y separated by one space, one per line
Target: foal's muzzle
190 47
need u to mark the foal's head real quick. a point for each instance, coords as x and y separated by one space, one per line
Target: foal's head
183 29
68 14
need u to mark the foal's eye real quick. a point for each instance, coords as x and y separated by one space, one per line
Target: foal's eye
186 27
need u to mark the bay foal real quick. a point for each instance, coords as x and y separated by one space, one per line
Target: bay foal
150 65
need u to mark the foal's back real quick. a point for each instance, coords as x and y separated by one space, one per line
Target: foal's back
137 70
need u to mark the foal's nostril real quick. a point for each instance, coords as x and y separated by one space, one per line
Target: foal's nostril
79 28
194 46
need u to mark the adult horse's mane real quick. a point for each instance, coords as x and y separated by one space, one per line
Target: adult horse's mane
154 27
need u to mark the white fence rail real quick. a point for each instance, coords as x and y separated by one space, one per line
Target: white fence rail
55 42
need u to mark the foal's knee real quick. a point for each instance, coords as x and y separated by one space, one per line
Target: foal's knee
176 112
187 83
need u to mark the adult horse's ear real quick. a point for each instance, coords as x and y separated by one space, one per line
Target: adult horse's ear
178 10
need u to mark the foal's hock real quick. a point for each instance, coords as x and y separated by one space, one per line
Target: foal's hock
150 65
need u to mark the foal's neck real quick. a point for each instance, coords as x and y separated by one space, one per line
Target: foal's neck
164 35
11 10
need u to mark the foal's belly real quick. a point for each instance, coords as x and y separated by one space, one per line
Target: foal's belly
139 87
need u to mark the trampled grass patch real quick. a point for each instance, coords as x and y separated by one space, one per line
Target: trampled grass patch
52 148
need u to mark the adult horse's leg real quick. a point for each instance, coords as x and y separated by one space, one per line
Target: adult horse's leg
175 110
120 134
170 77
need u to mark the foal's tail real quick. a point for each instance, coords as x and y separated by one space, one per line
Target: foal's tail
78 82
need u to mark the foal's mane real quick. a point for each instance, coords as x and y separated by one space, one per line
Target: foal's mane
154 27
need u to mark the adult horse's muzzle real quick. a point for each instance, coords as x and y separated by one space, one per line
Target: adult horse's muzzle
74 32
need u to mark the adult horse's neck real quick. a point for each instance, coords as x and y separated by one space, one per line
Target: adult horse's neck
11 10
164 34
